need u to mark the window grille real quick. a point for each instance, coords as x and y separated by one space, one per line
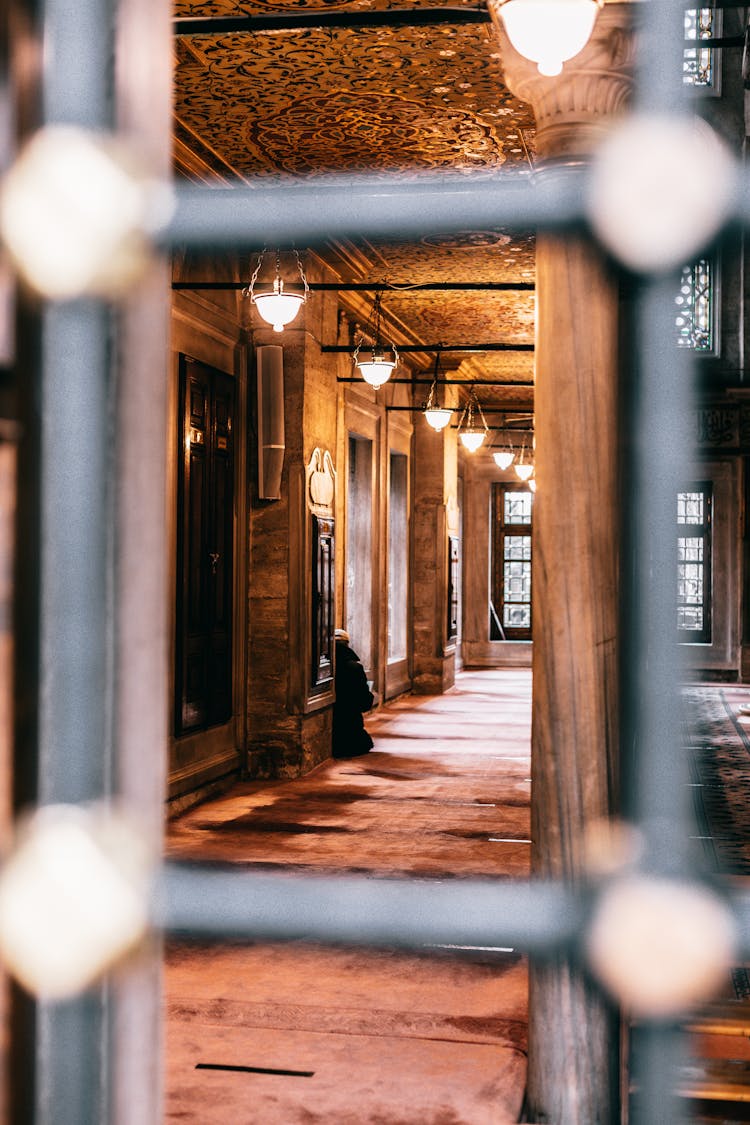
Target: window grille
695 307
698 67
544 918
511 563
694 564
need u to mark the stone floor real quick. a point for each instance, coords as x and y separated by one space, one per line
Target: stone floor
351 1036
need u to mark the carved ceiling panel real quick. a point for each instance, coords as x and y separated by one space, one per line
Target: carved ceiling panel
311 102
274 105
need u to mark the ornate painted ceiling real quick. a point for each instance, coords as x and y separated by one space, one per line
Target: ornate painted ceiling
264 106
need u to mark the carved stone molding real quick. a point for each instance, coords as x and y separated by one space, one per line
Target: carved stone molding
321 484
574 111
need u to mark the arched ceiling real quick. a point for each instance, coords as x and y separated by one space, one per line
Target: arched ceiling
302 103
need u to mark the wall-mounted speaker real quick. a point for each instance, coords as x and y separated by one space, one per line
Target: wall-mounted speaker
270 420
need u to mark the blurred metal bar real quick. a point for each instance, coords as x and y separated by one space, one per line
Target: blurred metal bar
75 618
202 901
659 62
243 218
657 465
78 62
73 1060
657 1057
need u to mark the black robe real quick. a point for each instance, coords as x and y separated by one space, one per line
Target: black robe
353 696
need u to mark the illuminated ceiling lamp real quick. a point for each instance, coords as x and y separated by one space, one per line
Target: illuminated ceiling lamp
377 362
437 416
548 32
277 305
472 429
504 458
524 468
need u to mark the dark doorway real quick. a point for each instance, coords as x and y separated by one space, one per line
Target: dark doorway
205 541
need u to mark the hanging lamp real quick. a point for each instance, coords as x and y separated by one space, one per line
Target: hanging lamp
504 458
277 305
548 32
472 429
523 468
436 415
376 363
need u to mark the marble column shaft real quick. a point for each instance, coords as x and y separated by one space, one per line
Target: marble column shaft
574 1043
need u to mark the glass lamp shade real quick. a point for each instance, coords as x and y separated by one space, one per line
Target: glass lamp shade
438 417
532 485
524 471
504 459
376 370
472 439
277 307
549 32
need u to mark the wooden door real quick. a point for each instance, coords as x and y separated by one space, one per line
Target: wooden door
205 548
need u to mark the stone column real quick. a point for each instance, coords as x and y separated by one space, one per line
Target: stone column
435 486
574 1041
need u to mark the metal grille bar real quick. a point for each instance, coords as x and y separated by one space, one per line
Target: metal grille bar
202 901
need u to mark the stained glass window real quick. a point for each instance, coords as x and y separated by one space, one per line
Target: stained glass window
698 62
510 594
694 564
695 307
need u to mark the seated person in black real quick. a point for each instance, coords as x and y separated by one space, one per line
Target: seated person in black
353 696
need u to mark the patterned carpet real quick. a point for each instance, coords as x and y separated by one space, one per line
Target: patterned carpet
719 736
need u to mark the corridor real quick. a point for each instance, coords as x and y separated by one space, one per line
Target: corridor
287 1034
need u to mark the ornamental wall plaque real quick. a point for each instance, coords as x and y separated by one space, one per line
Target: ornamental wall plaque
717 427
321 484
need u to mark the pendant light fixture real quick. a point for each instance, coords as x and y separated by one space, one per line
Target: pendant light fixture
524 468
504 458
472 429
548 32
376 363
436 415
277 305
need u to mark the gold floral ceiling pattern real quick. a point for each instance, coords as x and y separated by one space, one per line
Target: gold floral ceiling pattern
299 103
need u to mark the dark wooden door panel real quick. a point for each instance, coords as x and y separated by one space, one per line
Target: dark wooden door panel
205 548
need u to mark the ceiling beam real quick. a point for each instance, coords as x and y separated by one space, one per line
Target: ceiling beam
380 286
301 21
495 347
444 382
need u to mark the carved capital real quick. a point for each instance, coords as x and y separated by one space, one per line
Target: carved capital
574 110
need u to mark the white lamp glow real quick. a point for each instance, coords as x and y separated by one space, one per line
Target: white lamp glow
73 898
549 32
504 459
532 485
277 307
524 471
472 429
472 439
438 417
376 370
75 213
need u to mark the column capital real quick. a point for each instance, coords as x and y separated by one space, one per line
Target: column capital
575 109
